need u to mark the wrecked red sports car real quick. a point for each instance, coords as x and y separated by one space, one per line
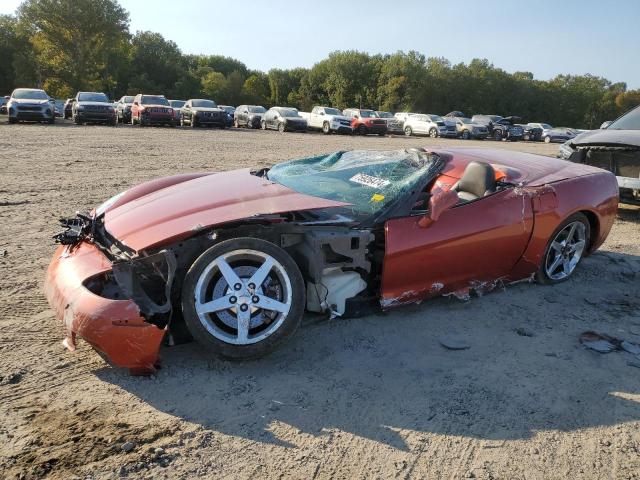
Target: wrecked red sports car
239 256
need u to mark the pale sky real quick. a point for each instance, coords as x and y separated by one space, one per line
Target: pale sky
541 36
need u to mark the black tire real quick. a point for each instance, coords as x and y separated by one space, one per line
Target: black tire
114 122
433 133
283 333
408 131
326 128
362 129
381 134
541 275
497 136
76 120
466 135
12 121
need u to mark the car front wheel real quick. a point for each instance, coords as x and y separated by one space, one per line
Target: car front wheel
466 135
547 139
566 248
497 136
433 133
326 129
407 131
243 297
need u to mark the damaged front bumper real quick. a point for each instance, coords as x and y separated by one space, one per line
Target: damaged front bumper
105 304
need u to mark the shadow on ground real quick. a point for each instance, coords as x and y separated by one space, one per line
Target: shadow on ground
378 376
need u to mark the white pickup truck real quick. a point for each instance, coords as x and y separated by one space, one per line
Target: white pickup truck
328 120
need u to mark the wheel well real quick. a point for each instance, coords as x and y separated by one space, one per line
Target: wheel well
594 225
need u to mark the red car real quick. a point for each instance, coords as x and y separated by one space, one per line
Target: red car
365 121
239 256
152 110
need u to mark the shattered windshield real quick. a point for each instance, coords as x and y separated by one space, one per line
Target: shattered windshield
368 180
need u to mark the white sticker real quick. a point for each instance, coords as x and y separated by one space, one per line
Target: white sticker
369 181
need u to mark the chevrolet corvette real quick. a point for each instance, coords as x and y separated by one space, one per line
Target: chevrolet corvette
236 258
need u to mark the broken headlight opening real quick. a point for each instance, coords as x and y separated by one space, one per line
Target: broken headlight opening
78 229
145 280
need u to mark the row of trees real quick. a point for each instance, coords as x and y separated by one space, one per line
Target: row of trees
65 46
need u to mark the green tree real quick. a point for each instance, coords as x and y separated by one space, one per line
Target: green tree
78 44
256 89
215 86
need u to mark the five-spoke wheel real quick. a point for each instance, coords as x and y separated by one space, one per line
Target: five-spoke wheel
243 297
565 250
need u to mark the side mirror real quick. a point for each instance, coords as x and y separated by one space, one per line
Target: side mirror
321 113
356 116
440 201
606 124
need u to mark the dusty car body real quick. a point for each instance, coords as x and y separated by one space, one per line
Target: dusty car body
238 256
615 148
93 107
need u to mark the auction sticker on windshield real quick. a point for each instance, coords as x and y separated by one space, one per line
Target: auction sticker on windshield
369 181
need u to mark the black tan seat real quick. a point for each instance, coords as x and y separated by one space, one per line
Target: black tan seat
478 180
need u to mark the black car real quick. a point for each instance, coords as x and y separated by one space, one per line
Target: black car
531 134
202 112
501 128
230 111
283 119
615 148
248 116
123 108
93 107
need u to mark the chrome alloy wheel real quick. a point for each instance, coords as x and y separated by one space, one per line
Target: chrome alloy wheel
243 296
565 251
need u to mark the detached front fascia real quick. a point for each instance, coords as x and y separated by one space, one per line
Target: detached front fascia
115 328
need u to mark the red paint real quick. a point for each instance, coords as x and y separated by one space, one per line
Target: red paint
169 214
502 236
113 327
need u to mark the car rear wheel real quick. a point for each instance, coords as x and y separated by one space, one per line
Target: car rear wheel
407 131
497 136
466 135
243 297
362 130
433 133
326 128
566 248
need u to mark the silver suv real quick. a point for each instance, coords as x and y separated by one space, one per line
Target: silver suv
30 105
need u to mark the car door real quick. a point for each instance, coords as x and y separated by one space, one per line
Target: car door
473 244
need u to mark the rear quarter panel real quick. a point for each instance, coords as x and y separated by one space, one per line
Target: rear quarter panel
596 195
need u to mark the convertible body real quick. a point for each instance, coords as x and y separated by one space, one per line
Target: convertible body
353 231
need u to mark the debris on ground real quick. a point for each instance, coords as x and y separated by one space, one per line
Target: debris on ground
524 332
603 343
127 446
453 342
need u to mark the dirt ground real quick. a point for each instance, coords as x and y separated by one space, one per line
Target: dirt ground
376 397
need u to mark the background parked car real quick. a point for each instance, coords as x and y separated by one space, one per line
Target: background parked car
402 116
283 119
230 110
327 119
531 133
3 104
615 148
393 124
202 112
364 121
558 134
467 129
500 128
152 110
123 108
93 107
30 105
425 124
177 105
68 105
455 114
249 116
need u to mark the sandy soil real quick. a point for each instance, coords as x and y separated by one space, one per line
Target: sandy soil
376 397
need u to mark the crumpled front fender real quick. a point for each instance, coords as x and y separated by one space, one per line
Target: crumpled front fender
113 327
